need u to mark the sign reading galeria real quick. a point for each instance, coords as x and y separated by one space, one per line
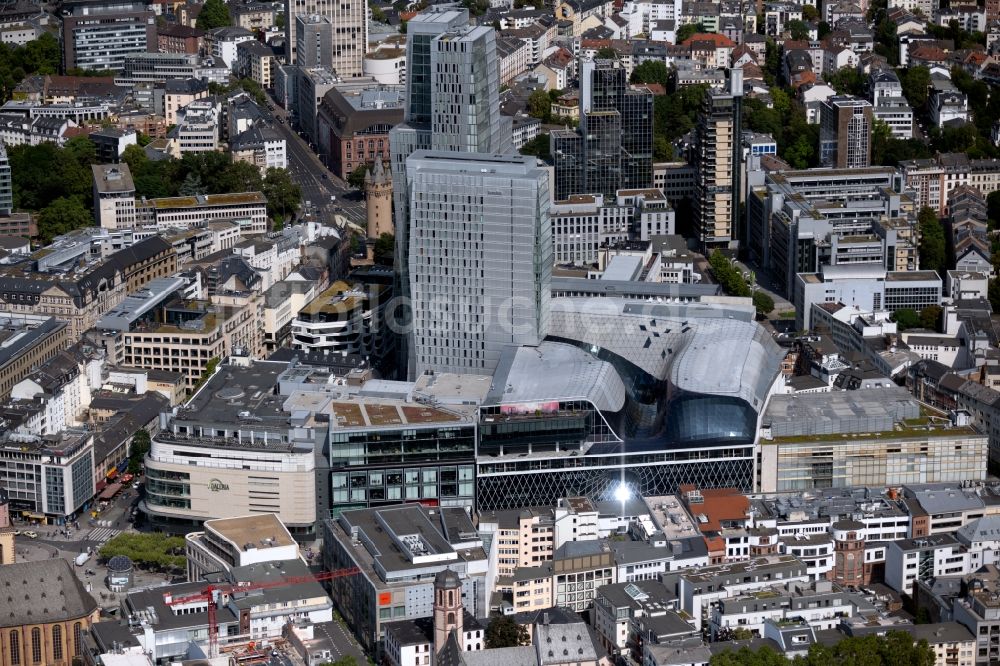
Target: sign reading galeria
215 485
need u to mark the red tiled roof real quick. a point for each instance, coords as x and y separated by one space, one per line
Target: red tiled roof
75 131
717 505
717 39
795 44
655 88
803 78
931 53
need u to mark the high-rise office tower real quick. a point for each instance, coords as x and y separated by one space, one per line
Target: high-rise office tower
6 183
349 31
480 259
845 132
717 159
613 149
313 41
98 34
465 93
452 104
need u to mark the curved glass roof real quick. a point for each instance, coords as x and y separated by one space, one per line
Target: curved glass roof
708 349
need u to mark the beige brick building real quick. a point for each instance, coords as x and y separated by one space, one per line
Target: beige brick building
192 334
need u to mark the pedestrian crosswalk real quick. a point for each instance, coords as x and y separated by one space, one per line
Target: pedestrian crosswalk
102 534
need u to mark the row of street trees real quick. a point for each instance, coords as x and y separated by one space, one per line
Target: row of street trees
734 284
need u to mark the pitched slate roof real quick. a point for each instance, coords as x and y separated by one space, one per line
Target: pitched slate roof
41 592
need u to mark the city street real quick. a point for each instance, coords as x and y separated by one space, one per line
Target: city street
317 182
52 542
77 541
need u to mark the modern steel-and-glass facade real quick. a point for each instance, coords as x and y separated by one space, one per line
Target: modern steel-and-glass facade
613 148
614 398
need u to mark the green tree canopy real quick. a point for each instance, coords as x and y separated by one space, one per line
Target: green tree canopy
893 649
155 549
210 368
46 172
930 316
651 71
993 209
39 56
476 7
240 177
797 29
356 178
385 247
906 318
138 450
786 122
847 81
675 115
685 31
608 53
932 241
62 216
890 151
151 179
994 294
540 105
662 150
728 276
192 185
209 167
539 146
248 86
503 631
916 82
283 194
81 150
763 303
765 656
214 14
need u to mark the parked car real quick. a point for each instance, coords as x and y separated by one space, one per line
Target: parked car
31 535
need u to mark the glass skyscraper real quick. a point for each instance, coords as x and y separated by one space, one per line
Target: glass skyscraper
480 257
452 104
613 149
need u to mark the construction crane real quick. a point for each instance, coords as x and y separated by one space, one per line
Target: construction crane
213 593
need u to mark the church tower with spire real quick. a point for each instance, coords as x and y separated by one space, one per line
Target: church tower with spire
378 192
448 610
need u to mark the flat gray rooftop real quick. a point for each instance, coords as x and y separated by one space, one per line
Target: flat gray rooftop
379 526
233 392
865 410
